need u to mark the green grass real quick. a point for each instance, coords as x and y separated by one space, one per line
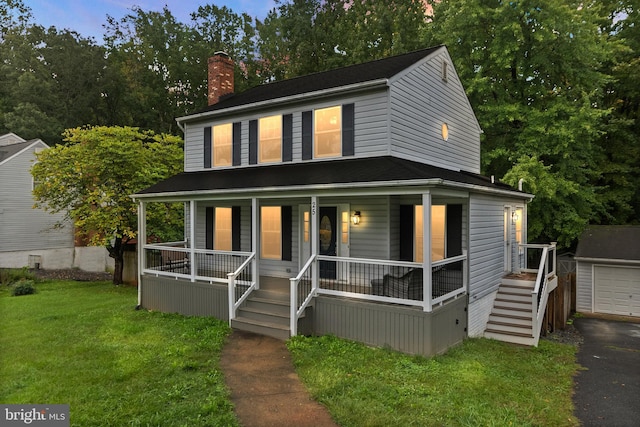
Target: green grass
83 344
481 382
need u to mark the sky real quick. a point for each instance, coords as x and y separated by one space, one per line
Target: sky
87 17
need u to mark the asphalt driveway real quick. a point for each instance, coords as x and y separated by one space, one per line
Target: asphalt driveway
607 392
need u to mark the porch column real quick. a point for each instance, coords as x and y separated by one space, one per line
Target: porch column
192 239
426 251
255 224
142 240
315 235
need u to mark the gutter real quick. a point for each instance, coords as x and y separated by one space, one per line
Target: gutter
608 260
378 185
288 99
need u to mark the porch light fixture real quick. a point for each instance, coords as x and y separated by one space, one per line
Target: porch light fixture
515 217
445 132
355 218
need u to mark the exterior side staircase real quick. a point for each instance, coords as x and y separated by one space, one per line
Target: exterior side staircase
511 317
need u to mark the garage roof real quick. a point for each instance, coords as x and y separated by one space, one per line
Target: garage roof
619 242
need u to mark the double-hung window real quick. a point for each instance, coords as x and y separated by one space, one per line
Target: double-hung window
222 144
270 139
327 132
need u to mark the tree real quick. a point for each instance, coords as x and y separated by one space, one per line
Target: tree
91 176
533 71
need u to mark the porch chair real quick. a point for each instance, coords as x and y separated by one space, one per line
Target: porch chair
407 286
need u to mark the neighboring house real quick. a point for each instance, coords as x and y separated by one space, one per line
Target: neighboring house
346 202
27 235
608 270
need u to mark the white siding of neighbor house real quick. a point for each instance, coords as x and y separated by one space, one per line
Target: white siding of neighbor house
584 286
420 103
23 228
370 121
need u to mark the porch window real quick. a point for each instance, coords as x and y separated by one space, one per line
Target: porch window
438 224
223 229
328 132
518 224
270 139
222 143
271 232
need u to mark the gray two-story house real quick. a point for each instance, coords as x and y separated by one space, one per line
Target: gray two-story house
346 202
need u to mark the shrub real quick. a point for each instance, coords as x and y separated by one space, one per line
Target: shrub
23 287
9 276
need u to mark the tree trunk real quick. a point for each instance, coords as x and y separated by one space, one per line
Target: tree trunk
117 253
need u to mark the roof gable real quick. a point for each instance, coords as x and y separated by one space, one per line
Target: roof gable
9 151
10 138
619 242
347 76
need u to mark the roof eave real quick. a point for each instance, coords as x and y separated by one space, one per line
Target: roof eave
357 87
607 260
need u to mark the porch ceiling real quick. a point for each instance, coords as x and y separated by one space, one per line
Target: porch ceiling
385 171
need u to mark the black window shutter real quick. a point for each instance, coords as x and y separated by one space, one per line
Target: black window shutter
237 135
253 142
287 137
287 234
207 147
406 232
307 135
348 119
235 228
209 228
454 230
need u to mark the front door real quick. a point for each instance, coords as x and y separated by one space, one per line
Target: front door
328 240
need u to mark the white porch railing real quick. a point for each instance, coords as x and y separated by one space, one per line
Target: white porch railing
386 281
241 283
546 281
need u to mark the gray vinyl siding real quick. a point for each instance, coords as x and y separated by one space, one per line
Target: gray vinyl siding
21 226
584 286
371 128
370 239
486 245
420 102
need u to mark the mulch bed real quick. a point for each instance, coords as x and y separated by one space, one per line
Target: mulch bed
71 274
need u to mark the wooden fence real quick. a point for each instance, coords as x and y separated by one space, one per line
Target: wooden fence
562 303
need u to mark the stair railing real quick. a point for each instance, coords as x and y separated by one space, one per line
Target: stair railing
546 282
303 288
241 283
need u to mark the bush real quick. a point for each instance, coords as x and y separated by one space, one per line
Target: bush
9 276
23 287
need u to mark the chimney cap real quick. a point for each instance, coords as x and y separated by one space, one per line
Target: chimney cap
221 53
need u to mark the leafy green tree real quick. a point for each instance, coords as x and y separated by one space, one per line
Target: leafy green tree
533 71
91 176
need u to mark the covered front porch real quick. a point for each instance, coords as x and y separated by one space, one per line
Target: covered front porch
394 299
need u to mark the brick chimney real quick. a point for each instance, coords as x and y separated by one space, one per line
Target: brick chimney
220 77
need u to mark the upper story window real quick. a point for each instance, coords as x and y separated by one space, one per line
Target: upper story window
327 132
222 143
270 139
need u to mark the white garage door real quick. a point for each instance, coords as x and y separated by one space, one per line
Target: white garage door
617 290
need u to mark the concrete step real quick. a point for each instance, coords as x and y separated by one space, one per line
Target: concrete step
507 327
511 319
512 338
262 328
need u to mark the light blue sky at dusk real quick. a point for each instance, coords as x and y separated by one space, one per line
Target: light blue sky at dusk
87 17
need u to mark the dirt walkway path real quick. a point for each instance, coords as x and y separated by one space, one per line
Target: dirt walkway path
265 389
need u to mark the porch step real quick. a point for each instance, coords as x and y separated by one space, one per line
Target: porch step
517 289
503 302
510 337
274 330
510 318
510 327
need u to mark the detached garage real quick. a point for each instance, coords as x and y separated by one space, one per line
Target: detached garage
608 270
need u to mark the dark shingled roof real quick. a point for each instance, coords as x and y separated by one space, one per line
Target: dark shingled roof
620 242
354 74
335 172
7 151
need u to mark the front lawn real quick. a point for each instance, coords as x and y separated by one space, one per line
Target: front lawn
479 383
84 344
